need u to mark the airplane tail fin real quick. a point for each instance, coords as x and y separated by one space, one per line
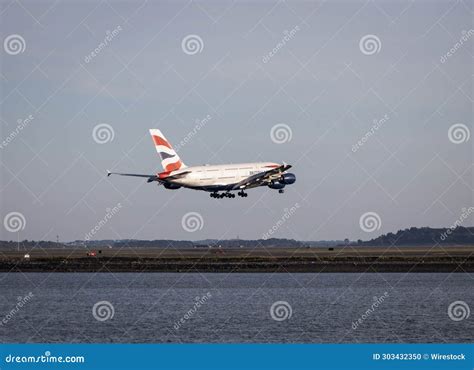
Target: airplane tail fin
169 158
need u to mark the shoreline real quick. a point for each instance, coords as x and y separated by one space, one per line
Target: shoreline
311 260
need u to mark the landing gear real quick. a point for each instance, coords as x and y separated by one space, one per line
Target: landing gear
281 191
242 194
222 195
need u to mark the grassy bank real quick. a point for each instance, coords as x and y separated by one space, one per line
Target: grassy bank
339 259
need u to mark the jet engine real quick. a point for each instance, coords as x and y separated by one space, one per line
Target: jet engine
276 185
287 178
171 186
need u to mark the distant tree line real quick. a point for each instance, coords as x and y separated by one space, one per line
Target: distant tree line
411 236
423 236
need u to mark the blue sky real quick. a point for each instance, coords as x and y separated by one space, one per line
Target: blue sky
326 85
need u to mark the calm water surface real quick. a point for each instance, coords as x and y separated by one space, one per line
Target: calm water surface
161 307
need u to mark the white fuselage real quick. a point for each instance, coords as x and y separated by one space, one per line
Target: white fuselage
220 175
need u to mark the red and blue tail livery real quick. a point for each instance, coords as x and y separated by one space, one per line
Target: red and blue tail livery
169 158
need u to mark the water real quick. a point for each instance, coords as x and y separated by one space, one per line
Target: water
235 308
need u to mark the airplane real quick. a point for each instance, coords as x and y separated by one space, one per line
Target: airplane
219 180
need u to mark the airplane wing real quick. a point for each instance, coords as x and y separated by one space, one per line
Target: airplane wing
150 177
260 178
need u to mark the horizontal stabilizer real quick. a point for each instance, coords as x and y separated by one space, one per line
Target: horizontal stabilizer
150 177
